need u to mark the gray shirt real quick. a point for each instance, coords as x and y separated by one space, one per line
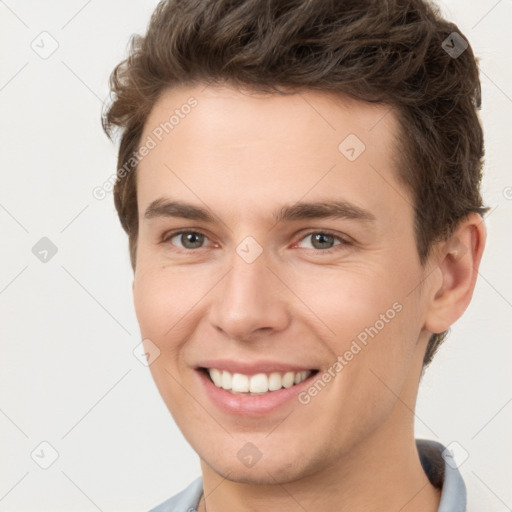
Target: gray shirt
437 462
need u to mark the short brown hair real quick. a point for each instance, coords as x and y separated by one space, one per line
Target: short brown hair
394 52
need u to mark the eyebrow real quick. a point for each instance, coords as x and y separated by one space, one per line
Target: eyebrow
163 207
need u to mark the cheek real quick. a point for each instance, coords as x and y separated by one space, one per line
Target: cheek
348 301
162 302
152 302
163 297
368 317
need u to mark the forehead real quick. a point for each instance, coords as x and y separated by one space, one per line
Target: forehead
246 148
318 114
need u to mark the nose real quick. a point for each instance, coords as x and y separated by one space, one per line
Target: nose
249 301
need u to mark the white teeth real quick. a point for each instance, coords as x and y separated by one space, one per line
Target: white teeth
300 376
258 383
275 382
226 380
240 383
288 379
216 376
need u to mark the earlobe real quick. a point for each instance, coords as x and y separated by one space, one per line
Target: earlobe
459 259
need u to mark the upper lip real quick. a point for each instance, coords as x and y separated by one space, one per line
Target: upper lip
252 367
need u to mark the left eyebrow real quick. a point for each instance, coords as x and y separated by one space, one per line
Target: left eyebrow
163 207
322 210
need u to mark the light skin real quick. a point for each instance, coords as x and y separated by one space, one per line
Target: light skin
243 156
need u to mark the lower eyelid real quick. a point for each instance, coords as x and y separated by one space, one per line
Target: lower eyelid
341 240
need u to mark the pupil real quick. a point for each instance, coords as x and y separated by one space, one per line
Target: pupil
192 238
323 239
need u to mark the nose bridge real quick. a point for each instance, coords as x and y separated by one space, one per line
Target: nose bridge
248 299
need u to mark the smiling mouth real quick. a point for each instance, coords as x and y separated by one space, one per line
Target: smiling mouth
257 384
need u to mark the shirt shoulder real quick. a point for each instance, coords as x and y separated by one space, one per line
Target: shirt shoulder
185 501
442 471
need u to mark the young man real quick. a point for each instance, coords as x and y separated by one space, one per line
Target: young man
300 185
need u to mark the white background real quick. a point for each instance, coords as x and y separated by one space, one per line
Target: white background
67 372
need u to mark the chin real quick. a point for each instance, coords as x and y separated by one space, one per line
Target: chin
267 471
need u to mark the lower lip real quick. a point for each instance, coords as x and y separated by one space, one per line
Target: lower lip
251 405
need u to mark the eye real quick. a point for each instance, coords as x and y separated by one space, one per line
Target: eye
321 241
324 241
187 239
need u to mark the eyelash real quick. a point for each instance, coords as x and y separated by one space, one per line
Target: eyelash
343 241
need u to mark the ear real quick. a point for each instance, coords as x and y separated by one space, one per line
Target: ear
458 261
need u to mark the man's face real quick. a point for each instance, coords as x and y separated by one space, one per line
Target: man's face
253 294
